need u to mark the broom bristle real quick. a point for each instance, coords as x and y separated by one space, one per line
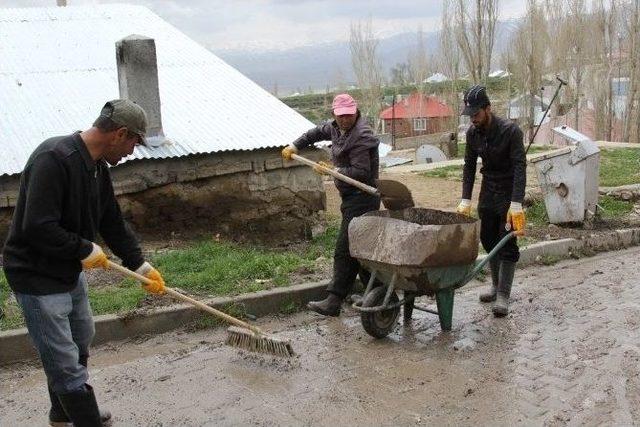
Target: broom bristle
247 340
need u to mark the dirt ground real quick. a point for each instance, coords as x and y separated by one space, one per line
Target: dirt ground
568 354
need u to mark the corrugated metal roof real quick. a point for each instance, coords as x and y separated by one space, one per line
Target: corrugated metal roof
58 67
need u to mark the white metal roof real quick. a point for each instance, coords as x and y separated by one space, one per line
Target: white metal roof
58 67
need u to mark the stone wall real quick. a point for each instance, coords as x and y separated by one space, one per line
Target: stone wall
238 194
446 141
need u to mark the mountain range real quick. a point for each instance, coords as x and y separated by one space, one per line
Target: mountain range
327 65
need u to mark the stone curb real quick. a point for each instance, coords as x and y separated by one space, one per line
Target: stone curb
15 344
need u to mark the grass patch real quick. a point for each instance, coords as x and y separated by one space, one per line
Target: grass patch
620 166
453 173
223 268
549 259
116 299
611 209
210 268
614 208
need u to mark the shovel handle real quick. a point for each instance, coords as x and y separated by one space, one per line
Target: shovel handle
178 295
364 187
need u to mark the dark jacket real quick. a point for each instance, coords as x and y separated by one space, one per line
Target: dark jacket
65 200
354 153
503 159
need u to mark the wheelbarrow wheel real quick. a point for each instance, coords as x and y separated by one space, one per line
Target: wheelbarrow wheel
378 324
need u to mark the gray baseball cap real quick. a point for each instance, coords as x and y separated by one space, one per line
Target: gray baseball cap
127 113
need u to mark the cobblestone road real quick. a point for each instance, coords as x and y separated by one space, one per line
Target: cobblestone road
569 354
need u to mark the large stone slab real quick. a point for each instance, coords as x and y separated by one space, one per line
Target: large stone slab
415 237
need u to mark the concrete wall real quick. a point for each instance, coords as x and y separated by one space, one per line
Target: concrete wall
445 141
249 194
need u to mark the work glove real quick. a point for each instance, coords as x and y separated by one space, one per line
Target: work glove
464 207
157 287
96 259
288 151
321 171
515 219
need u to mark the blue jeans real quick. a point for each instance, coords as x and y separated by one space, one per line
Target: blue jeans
61 328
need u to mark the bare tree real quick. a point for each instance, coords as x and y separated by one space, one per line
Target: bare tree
450 59
418 62
632 112
528 47
367 68
475 23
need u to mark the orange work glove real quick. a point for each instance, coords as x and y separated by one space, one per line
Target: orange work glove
96 259
464 207
288 151
321 171
515 219
157 287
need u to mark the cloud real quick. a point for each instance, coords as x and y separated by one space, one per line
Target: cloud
281 24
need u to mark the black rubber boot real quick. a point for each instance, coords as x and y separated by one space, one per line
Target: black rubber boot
330 306
494 266
57 416
501 306
81 407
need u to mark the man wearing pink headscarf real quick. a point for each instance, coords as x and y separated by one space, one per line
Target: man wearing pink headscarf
354 152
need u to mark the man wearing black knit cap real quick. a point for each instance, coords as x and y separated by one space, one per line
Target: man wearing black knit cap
498 142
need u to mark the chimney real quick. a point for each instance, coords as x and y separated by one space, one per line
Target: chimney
138 80
61 3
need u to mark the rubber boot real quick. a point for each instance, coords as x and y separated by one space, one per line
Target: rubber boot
501 306
81 407
330 306
494 266
57 416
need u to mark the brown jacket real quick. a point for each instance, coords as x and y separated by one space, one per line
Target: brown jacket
354 153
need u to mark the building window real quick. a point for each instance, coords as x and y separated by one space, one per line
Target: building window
420 124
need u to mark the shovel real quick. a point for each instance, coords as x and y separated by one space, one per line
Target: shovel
393 194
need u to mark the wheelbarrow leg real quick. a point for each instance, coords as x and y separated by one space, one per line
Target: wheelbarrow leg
407 310
444 300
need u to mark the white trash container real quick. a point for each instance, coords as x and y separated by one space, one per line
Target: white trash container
569 178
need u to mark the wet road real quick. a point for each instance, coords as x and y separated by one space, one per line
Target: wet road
569 354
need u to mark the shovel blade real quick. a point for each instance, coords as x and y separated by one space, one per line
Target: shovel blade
395 195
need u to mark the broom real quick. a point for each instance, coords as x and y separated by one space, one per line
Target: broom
244 335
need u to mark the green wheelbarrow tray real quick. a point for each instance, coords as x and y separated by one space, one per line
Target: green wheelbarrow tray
420 252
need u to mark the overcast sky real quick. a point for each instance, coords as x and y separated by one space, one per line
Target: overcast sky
240 24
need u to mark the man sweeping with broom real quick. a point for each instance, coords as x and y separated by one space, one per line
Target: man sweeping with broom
354 151
66 199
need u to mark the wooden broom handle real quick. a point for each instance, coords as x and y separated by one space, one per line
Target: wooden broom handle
178 295
364 187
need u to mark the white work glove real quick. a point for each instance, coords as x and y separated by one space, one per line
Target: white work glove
464 207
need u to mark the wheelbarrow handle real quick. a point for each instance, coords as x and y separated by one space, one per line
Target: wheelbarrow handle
480 265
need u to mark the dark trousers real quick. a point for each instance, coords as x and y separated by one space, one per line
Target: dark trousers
346 268
492 210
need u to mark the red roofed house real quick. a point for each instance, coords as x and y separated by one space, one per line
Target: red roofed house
416 115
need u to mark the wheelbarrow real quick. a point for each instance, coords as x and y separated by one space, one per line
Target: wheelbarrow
419 252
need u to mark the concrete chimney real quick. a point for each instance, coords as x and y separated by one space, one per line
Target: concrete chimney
138 79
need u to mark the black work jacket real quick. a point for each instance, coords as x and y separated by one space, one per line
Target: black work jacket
66 199
503 159
354 153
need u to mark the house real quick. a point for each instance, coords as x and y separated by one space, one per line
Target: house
214 161
416 115
436 78
499 74
518 108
